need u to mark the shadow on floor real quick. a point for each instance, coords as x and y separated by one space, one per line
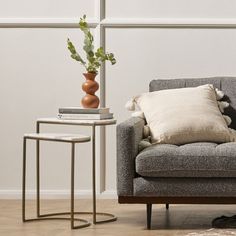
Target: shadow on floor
179 217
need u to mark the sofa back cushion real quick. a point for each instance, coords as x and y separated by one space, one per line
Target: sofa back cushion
226 84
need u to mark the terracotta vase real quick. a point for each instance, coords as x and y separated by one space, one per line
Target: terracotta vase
90 86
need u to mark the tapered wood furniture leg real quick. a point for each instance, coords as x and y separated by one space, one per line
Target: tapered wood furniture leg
149 215
167 206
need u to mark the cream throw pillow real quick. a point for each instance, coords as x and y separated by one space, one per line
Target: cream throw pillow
185 115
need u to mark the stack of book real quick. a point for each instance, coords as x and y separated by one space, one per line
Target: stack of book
80 113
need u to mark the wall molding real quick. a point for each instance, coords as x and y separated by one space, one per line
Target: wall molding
168 23
100 20
57 194
44 22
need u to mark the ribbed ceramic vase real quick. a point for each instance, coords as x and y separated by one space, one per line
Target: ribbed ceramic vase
90 86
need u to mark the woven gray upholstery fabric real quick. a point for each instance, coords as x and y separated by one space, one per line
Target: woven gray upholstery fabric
160 84
189 160
129 134
185 187
226 84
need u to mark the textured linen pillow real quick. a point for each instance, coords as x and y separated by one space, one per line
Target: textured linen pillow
185 115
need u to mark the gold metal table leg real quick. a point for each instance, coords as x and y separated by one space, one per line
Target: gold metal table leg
38 172
23 180
110 217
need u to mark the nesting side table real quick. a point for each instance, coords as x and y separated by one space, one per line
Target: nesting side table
65 138
93 124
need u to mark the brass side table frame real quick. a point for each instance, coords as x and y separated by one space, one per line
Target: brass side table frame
92 124
52 216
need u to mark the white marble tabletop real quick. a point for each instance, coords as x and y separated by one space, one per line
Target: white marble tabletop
58 137
54 120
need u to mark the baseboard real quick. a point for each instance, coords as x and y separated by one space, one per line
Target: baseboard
57 194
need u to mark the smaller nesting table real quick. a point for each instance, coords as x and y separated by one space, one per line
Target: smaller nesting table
66 138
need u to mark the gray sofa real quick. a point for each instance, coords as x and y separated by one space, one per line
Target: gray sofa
195 173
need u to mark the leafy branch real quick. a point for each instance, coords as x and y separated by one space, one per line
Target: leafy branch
94 59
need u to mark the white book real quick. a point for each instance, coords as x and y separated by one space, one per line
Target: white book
85 116
81 110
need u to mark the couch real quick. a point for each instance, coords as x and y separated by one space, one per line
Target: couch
194 173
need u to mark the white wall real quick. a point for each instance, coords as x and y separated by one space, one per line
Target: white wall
46 8
171 9
150 40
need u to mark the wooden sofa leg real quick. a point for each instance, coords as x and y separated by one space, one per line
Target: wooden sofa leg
149 215
167 206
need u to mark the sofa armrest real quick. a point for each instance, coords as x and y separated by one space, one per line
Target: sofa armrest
129 134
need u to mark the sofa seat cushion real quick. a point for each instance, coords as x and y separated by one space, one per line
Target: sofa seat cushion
184 187
189 160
